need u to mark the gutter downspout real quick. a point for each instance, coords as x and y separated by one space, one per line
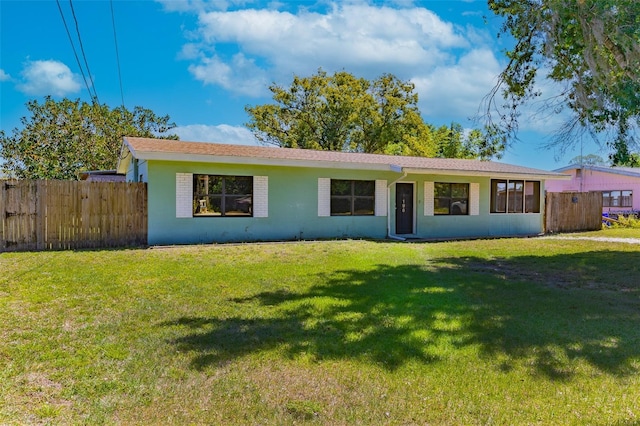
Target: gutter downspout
396 169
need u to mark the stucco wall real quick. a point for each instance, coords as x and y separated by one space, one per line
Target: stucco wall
593 180
293 208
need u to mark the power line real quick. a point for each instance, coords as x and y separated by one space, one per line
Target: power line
115 40
73 13
73 47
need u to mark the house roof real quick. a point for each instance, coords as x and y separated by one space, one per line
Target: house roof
172 150
625 171
102 176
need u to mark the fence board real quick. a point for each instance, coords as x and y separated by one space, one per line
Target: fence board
58 215
573 211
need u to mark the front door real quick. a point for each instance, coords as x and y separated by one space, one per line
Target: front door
404 208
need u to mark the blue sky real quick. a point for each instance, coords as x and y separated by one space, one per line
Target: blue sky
201 62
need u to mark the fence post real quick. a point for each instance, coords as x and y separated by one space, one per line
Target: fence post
41 214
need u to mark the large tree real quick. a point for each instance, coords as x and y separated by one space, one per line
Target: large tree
591 48
341 112
454 142
63 138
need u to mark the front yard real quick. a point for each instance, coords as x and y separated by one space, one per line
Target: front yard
512 331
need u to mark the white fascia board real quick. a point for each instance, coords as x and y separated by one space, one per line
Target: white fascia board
124 159
257 161
497 175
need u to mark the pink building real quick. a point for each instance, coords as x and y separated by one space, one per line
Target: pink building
617 184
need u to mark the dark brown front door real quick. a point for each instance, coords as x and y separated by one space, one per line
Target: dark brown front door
404 208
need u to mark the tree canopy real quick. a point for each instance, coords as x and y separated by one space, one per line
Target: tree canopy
341 112
62 138
591 47
588 160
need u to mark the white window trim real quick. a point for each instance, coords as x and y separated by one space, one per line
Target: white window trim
324 197
474 199
429 194
260 196
184 195
381 198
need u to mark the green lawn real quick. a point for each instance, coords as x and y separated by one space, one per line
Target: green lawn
512 331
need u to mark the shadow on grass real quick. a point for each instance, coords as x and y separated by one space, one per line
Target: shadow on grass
544 313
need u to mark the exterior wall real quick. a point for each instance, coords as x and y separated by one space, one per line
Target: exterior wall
137 171
292 201
293 211
593 180
484 224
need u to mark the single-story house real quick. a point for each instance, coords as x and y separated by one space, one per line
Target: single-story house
208 192
617 185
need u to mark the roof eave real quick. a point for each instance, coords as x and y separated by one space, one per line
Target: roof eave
262 161
258 161
492 174
612 170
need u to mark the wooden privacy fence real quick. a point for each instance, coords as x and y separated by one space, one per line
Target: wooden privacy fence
573 211
57 215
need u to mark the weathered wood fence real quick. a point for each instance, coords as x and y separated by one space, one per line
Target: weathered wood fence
573 211
58 215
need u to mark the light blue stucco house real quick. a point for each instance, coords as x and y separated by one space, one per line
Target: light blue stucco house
207 192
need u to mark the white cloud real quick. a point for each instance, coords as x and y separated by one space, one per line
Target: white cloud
48 78
271 45
456 90
4 76
241 75
244 50
222 133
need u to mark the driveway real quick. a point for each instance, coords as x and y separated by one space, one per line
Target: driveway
604 239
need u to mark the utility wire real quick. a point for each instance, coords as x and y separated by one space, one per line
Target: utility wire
73 47
94 96
115 40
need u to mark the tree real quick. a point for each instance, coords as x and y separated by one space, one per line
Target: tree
454 142
588 160
344 113
63 138
591 47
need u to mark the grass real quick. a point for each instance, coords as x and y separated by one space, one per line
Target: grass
514 331
615 231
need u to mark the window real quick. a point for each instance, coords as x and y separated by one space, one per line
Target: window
515 196
352 197
617 198
532 197
451 198
222 195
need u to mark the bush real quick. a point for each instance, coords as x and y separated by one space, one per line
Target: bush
630 221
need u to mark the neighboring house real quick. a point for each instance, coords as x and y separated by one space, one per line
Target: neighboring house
102 176
207 192
617 184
